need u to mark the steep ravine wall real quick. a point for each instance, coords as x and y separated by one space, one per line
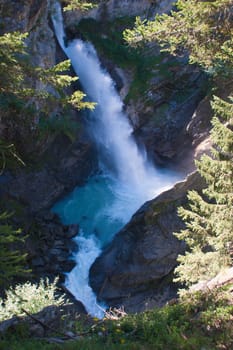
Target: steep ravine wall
31 17
65 165
58 164
57 159
160 101
135 270
110 9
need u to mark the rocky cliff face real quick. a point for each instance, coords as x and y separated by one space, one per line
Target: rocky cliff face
31 16
160 100
58 164
162 115
135 269
110 9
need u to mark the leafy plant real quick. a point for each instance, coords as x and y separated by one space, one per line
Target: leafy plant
201 320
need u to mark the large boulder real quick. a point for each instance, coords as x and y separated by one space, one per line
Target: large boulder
135 269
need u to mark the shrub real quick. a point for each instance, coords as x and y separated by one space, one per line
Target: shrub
31 297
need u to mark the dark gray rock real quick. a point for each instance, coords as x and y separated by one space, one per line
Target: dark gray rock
7 324
39 189
163 130
72 231
48 245
37 262
134 270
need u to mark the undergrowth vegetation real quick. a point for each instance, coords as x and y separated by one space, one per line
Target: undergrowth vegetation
197 320
201 320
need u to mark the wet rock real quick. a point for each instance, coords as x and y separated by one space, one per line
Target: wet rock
55 251
59 244
38 262
8 324
72 231
49 249
163 127
37 330
25 14
135 269
40 189
200 125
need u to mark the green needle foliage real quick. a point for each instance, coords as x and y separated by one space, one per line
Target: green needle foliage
12 54
12 261
209 219
58 81
29 94
16 73
204 28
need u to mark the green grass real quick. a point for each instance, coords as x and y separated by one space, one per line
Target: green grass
91 344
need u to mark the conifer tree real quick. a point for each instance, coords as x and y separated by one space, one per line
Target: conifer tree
16 73
22 105
209 219
204 28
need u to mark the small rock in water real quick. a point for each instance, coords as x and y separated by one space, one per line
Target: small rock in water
72 231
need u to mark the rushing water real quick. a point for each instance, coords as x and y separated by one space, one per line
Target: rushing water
126 179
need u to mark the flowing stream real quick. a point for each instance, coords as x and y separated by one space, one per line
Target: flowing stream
126 178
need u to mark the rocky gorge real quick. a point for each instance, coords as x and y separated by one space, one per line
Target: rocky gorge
171 119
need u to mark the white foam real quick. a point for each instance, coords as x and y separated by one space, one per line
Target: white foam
77 281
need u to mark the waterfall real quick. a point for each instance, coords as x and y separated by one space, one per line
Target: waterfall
126 180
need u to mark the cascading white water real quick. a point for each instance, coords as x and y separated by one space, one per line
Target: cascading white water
106 203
